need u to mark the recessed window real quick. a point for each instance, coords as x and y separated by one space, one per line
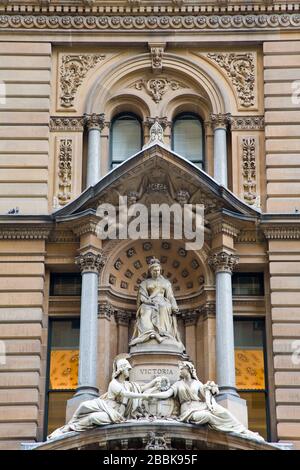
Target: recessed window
125 138
62 369
250 373
248 284
65 284
187 138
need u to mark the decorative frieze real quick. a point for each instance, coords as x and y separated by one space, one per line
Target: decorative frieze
223 261
157 87
240 68
243 123
73 70
66 124
65 171
123 21
94 121
90 262
249 170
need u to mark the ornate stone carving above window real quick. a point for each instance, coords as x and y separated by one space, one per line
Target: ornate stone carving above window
241 69
65 171
157 87
249 169
157 58
73 70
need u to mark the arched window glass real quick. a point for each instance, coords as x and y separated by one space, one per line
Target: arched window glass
187 138
126 138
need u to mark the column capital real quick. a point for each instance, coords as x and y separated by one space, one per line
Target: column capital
90 262
94 121
105 310
190 317
122 317
223 262
163 121
220 121
208 310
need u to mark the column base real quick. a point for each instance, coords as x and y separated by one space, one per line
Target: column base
236 405
81 395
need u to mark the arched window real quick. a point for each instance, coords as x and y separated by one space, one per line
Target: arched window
188 138
126 138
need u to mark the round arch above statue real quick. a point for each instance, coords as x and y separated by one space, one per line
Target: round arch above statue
127 266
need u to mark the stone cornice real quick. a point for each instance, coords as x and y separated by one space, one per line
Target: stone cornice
225 228
24 233
282 233
163 17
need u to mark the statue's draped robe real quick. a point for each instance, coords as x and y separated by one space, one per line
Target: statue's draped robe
110 408
193 409
159 321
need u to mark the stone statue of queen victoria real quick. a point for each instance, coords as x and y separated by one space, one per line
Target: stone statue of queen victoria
156 310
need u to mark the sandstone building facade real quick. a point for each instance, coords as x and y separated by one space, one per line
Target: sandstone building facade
82 82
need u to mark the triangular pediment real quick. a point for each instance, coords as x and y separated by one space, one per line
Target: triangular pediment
156 175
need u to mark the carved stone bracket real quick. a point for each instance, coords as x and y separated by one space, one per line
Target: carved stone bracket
94 121
90 262
156 53
73 69
225 228
223 262
240 68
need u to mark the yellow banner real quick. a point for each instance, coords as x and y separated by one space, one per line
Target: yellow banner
64 369
249 369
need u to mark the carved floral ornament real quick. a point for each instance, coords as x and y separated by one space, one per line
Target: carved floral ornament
73 69
157 87
127 22
223 262
249 169
65 171
90 262
240 68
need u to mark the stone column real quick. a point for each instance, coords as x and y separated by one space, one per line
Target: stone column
223 264
219 124
94 124
90 264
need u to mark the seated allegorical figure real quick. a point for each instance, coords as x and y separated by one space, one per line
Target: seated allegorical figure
157 309
121 402
197 403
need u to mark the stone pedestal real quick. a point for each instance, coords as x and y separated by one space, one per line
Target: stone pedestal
151 360
236 405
